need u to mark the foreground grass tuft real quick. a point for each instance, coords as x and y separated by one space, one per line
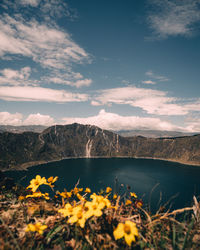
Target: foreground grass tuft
80 219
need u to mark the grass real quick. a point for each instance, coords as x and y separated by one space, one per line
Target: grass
178 229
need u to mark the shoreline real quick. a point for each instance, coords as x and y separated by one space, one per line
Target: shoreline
25 166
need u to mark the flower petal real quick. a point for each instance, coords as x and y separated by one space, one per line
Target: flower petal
119 231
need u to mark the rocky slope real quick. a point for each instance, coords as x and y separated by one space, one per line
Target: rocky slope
59 142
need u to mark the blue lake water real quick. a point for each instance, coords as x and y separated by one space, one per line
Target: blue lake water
155 181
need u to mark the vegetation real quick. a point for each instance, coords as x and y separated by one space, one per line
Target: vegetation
39 217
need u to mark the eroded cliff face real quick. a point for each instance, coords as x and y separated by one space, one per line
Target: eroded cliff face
75 140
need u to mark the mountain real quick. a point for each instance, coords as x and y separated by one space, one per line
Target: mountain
75 140
152 133
21 129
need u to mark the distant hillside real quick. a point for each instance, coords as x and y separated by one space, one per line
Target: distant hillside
153 133
21 129
75 140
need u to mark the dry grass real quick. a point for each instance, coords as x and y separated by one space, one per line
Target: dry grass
179 229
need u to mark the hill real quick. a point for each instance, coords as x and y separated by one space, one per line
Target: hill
153 133
75 140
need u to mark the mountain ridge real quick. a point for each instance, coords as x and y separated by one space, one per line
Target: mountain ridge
85 141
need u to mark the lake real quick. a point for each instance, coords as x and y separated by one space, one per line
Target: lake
155 181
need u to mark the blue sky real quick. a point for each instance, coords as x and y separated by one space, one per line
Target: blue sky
115 64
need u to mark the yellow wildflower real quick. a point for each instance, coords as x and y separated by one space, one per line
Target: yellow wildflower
115 196
35 183
38 195
51 180
67 210
107 202
75 190
80 189
78 216
93 208
133 194
80 197
38 227
108 189
127 230
100 199
65 194
128 202
87 190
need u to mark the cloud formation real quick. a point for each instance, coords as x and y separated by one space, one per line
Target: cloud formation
104 120
151 101
17 119
33 94
173 18
49 46
47 10
112 121
159 78
7 118
15 77
38 119
149 82
40 42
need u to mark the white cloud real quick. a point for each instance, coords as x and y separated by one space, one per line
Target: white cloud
38 119
33 94
65 80
148 82
7 118
125 81
155 102
33 3
193 125
172 18
14 77
152 101
160 78
49 46
46 9
112 121
17 119
43 42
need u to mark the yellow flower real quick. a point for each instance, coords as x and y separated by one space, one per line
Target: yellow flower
107 202
87 190
127 230
80 197
93 208
38 227
108 189
128 202
75 190
100 199
51 180
65 194
38 195
67 210
35 183
78 216
80 189
133 194
115 196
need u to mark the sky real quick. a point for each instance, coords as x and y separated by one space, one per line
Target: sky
117 64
